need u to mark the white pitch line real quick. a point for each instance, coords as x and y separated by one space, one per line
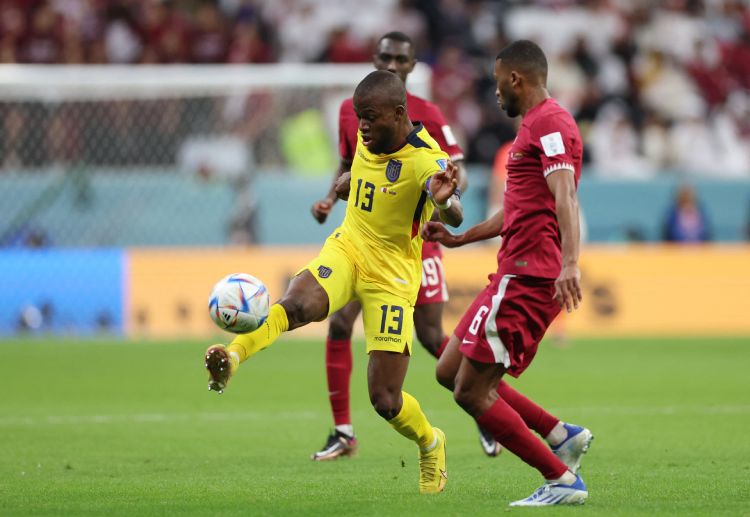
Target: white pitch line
657 410
10 421
153 418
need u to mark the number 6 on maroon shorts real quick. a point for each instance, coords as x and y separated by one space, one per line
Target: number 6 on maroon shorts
507 320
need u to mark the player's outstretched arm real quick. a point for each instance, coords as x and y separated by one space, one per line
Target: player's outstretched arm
321 208
568 284
487 229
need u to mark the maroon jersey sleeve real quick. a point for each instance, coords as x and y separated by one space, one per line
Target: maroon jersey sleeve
348 126
443 135
558 142
438 128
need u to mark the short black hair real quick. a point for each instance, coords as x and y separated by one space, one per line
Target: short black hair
397 36
526 57
385 84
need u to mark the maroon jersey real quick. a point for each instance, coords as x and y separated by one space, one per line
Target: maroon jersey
418 109
547 141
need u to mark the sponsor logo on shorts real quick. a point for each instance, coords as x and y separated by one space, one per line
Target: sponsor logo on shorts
429 293
393 170
324 272
388 339
442 163
521 263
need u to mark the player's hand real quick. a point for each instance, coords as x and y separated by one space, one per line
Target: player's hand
568 288
342 185
444 183
437 232
321 209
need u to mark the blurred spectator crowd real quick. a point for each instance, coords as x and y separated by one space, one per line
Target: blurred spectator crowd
657 87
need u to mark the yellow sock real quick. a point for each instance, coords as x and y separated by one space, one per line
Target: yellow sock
245 345
412 423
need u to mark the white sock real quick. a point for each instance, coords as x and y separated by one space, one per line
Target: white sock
235 358
432 445
347 429
557 435
566 479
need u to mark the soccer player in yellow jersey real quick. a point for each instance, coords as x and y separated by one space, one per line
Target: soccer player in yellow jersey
399 176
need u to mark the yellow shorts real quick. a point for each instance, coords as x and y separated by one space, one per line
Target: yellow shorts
388 318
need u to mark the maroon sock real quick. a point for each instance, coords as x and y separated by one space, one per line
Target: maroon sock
509 429
536 418
339 370
443 344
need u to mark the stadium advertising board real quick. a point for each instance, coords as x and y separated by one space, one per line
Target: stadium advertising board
64 292
628 290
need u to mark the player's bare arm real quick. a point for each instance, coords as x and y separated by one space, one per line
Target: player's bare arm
487 229
321 208
568 284
441 188
342 185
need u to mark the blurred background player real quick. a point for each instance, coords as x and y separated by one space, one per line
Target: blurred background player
399 177
537 275
395 53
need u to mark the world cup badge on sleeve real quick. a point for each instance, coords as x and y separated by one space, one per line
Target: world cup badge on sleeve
393 170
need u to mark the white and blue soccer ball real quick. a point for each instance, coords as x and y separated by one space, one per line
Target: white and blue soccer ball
239 303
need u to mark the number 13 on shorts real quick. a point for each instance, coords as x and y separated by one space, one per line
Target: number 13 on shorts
389 321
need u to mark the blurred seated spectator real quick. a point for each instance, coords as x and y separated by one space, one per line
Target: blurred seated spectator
615 146
209 39
686 221
42 44
344 47
247 45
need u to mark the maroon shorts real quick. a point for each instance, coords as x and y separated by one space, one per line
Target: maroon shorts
507 320
433 288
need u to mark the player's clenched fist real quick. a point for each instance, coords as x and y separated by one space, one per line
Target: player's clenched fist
321 209
434 231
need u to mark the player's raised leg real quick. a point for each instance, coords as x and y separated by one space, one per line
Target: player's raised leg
304 301
320 288
341 441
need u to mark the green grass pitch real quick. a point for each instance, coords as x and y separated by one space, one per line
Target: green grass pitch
128 428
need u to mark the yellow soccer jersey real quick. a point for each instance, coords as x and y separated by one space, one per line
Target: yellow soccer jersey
386 208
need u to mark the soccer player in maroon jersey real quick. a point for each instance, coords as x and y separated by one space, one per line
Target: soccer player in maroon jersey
537 274
395 53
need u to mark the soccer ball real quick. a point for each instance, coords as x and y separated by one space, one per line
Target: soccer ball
238 303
